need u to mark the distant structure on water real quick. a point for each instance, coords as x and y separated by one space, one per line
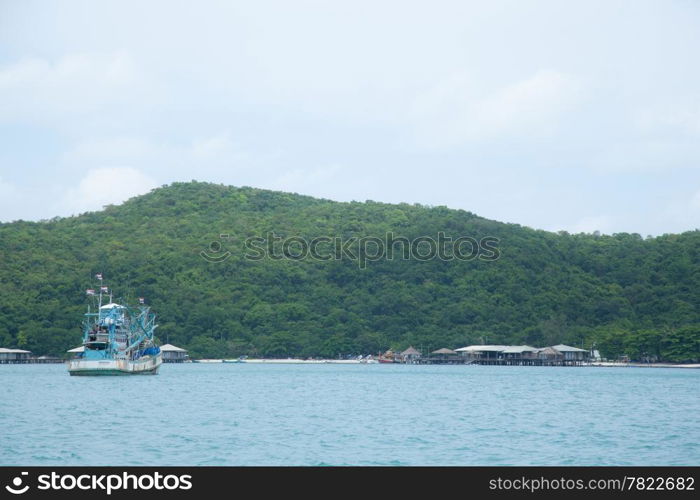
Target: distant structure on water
524 355
444 356
410 356
12 356
173 354
518 355
20 356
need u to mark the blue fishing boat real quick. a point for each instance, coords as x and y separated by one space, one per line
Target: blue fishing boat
117 339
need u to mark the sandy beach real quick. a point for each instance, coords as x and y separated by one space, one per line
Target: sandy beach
643 365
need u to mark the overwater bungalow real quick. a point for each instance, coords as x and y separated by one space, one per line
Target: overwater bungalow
410 355
549 355
572 353
12 356
444 356
482 352
173 354
519 355
524 355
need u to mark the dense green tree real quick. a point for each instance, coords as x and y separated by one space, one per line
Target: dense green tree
622 294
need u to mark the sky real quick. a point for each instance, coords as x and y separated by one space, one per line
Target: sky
576 116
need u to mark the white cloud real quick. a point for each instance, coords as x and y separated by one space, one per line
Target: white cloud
536 102
677 115
199 155
456 111
646 155
424 105
102 150
43 90
104 186
659 136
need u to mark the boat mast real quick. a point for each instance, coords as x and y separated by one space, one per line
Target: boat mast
99 277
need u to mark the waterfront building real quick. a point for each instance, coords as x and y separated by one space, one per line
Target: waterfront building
410 355
572 353
14 356
444 356
173 354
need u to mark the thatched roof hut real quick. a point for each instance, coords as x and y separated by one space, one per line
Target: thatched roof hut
411 351
444 351
410 354
549 353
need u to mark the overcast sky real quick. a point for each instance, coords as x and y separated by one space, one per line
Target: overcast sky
576 116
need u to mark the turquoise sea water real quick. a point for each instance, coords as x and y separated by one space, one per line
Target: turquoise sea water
238 414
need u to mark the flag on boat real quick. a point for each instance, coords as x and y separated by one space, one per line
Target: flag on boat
104 289
90 291
142 300
99 276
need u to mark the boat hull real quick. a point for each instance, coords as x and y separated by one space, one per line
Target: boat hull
145 366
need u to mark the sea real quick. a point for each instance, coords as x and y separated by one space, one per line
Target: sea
333 414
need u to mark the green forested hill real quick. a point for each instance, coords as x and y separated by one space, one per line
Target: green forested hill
625 294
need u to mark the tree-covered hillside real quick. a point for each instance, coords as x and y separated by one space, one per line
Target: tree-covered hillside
623 293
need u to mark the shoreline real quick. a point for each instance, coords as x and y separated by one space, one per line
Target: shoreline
294 361
643 365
